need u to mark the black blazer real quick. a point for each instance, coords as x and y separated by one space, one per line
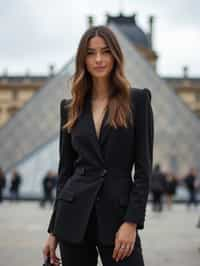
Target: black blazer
98 171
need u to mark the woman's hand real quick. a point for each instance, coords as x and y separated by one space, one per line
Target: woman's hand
49 250
124 241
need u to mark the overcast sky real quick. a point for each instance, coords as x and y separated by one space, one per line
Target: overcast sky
36 33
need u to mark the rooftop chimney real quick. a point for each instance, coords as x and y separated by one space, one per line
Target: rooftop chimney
51 70
186 80
27 76
5 76
90 21
185 72
151 22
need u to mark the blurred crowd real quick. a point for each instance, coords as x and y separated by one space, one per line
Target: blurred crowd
14 185
48 185
163 187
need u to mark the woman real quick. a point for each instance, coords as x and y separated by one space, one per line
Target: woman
106 128
171 185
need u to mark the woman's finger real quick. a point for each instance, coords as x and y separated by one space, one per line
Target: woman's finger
52 255
121 252
126 251
115 251
130 250
53 258
116 248
45 252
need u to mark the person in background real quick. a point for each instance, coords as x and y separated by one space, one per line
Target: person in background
158 185
2 183
170 190
48 184
191 181
16 181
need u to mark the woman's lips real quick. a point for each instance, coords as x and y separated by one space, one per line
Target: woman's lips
99 68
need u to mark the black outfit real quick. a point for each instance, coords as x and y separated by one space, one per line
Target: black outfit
158 187
14 187
48 185
190 183
86 252
171 186
2 185
97 172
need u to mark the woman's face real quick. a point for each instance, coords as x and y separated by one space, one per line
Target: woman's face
99 60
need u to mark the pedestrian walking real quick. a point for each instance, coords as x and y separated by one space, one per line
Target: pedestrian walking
48 184
158 186
170 190
191 185
2 183
16 181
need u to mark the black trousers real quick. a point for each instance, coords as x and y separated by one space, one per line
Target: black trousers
157 201
192 198
86 252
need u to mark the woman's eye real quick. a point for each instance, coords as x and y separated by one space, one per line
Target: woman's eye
107 51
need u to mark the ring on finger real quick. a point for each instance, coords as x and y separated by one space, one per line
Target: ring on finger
124 247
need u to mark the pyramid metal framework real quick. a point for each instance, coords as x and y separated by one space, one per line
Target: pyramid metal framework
29 141
177 128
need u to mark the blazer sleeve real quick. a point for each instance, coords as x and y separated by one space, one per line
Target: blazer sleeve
66 158
143 145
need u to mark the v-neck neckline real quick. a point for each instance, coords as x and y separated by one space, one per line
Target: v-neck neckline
93 122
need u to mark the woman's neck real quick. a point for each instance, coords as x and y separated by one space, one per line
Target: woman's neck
100 89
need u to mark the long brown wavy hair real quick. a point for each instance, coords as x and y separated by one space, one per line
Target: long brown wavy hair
119 108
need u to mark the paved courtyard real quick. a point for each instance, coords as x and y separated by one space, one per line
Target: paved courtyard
170 238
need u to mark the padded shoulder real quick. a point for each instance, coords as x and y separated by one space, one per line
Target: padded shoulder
147 90
64 109
137 94
65 103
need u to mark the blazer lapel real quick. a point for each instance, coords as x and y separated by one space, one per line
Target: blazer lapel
85 124
105 127
91 128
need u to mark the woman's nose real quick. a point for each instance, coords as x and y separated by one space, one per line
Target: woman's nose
98 57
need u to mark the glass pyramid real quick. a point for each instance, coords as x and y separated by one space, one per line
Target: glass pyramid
29 141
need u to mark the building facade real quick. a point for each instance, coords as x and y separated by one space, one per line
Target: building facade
188 89
15 91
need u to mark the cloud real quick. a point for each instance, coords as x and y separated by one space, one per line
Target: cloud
36 33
